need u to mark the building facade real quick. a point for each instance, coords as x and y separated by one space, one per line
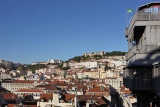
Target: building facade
143 59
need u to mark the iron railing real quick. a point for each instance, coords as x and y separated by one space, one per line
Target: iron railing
138 84
140 50
144 16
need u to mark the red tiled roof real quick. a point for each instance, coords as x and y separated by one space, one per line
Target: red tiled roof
44 86
23 81
62 84
46 96
79 87
97 89
61 81
30 105
96 98
85 71
69 78
43 62
47 87
69 96
29 90
51 88
10 96
132 97
13 105
126 91
54 82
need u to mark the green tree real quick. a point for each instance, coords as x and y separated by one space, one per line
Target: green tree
76 58
66 68
97 56
34 67
60 65
115 53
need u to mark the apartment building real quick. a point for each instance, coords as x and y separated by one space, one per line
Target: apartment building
18 84
58 100
87 64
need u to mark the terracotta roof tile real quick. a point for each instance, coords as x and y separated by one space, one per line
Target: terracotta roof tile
23 81
69 96
98 89
131 97
30 105
13 105
126 91
10 97
29 90
96 98
46 96
43 86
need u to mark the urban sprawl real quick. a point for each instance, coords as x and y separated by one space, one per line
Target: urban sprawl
93 79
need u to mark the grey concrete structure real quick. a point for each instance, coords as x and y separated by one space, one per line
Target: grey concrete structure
142 73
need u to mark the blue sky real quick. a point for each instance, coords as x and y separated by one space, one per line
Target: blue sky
37 30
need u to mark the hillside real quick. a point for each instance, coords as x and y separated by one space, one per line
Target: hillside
96 56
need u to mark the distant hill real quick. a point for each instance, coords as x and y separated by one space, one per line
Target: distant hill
96 56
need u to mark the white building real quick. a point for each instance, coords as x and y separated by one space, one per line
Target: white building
35 63
114 82
81 75
57 101
127 99
53 61
18 84
36 93
110 73
4 76
83 64
118 62
75 90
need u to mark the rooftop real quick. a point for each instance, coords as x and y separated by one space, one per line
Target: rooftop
29 90
46 96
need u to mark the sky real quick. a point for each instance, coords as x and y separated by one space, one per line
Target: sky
38 30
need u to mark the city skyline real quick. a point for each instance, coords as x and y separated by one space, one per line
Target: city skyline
59 29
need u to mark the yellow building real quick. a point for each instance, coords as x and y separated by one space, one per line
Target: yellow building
92 74
100 73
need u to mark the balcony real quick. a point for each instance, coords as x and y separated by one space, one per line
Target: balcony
143 16
138 84
131 52
140 50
